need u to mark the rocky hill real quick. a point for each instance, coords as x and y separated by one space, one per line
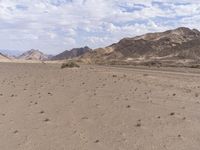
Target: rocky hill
178 44
76 52
33 55
4 58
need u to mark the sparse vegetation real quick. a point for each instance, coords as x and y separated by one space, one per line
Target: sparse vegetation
69 64
195 66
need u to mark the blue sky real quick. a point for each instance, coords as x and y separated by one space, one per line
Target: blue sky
56 25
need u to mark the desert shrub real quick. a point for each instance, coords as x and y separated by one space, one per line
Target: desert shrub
152 63
69 64
195 66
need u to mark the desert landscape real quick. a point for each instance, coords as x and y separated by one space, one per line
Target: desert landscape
93 107
99 75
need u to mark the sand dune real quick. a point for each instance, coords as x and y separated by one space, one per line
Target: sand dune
43 107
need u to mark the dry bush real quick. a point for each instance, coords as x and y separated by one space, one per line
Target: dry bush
69 64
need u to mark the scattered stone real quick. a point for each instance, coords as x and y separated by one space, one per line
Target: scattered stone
84 118
114 76
138 124
184 118
12 95
97 141
46 119
172 114
16 131
42 112
50 93
196 95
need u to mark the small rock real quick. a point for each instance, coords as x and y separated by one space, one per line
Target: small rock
46 119
184 118
172 114
196 95
50 94
16 131
12 95
41 112
138 124
97 141
84 118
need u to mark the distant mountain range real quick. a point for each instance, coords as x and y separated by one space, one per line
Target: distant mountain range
178 44
73 53
34 55
4 57
172 46
38 55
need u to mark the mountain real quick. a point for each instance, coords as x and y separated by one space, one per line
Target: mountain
178 44
75 52
33 55
4 57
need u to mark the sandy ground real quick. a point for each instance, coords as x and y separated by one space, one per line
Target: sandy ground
43 107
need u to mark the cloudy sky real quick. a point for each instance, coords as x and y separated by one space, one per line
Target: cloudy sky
56 25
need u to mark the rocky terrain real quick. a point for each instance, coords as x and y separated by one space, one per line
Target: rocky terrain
4 58
49 106
33 55
181 45
175 48
43 107
69 54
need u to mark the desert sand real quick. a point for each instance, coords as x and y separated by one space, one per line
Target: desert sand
43 107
